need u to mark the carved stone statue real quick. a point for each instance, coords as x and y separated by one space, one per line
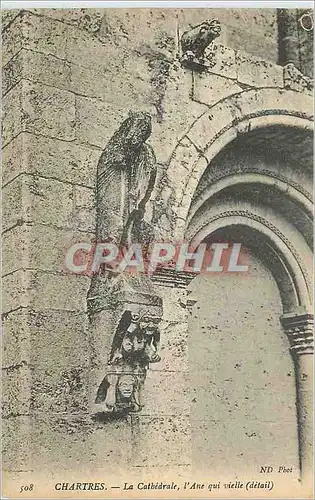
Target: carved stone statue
126 175
135 345
195 41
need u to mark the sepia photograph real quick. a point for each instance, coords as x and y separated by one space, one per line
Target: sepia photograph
157 262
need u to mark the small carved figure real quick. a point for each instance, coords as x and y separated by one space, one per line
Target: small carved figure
120 392
195 41
136 340
135 345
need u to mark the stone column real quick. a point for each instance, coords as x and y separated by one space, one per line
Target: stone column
299 328
288 37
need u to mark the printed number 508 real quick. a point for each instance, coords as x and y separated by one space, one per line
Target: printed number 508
28 487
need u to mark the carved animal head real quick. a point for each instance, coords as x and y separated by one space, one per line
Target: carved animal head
198 38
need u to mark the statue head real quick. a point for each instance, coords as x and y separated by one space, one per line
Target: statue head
127 344
214 27
149 323
126 385
139 128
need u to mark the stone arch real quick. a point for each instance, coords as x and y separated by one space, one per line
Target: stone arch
235 118
264 179
228 119
288 268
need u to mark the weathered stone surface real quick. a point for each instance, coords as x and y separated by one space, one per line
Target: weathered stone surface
257 72
48 111
38 68
50 158
227 391
42 291
174 352
60 390
16 384
44 35
16 443
73 438
163 397
7 17
151 431
12 40
67 91
95 121
223 60
48 201
86 19
39 200
215 455
41 247
30 336
15 208
84 209
210 88
178 113
39 109
12 119
16 346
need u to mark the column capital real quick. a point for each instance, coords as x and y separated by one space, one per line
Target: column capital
299 329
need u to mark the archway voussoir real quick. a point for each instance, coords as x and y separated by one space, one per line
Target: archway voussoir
211 124
266 101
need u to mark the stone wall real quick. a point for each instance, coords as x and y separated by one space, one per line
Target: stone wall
240 374
70 78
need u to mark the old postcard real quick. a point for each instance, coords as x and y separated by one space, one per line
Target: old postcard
157 251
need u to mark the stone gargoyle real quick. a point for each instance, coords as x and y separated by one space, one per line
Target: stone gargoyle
195 41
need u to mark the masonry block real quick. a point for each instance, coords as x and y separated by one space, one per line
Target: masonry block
52 158
210 88
38 68
16 443
162 398
172 431
38 109
96 121
12 38
84 208
36 201
222 60
16 384
40 247
258 72
41 290
77 437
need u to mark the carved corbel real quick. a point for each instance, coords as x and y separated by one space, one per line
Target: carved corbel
299 329
294 79
194 43
135 345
